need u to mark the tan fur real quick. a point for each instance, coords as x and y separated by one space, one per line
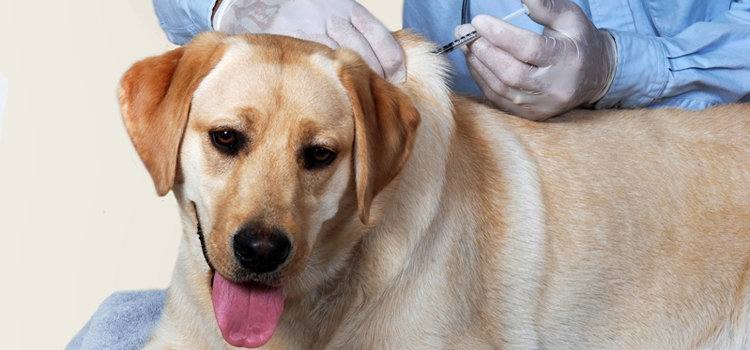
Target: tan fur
155 97
442 223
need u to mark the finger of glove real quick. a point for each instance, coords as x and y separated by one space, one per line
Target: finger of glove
252 16
294 16
492 87
383 44
344 33
312 28
496 99
514 101
526 46
506 67
503 103
524 110
554 14
462 30
503 65
316 37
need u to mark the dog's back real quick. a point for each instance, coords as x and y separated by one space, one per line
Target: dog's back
644 220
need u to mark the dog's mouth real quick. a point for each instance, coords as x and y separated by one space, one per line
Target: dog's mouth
247 313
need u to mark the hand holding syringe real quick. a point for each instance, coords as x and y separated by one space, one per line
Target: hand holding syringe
539 75
474 35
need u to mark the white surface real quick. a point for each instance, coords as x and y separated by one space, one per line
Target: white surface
3 100
79 217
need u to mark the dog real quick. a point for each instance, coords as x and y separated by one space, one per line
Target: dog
325 207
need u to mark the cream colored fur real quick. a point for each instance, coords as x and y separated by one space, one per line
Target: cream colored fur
617 229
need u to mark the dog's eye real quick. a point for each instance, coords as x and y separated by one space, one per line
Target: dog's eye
316 157
225 140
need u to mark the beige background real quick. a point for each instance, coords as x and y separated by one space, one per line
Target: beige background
79 218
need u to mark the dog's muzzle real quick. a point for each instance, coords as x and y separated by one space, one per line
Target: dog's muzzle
258 248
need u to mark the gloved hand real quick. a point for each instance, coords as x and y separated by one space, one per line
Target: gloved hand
331 22
539 76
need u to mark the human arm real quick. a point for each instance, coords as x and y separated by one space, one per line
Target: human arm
688 65
182 20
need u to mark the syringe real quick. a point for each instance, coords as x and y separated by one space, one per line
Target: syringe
474 35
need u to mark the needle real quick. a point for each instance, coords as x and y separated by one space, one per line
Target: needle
474 35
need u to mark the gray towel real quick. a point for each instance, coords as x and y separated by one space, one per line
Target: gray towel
124 321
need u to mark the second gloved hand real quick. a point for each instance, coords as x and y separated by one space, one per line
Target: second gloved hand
333 23
539 76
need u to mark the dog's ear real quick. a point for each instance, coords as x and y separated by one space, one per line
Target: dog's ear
385 125
155 96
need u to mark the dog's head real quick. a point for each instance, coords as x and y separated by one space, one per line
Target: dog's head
269 140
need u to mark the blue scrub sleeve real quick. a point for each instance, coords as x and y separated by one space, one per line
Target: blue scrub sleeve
182 20
704 64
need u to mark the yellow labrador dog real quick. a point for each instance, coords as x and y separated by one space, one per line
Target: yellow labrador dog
327 208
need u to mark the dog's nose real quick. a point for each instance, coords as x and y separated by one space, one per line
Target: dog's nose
260 249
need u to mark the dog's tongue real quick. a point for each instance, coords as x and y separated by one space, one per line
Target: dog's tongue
247 313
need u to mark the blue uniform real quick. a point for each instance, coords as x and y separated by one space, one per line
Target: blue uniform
687 53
